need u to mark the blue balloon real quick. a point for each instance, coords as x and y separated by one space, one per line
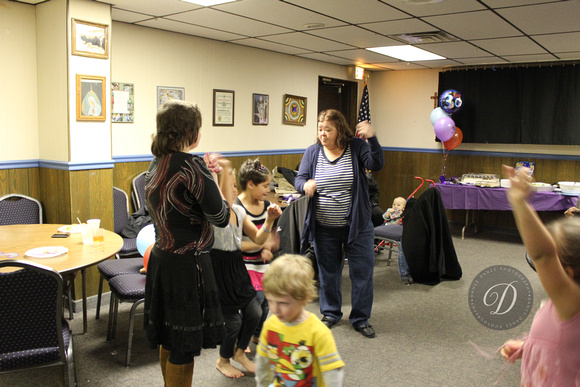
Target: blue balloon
145 238
451 101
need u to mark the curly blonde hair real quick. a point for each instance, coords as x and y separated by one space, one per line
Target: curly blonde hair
290 275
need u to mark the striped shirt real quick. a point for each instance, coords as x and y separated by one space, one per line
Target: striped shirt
334 186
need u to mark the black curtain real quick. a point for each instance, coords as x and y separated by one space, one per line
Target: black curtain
535 105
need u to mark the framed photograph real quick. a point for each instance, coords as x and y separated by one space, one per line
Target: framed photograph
90 39
165 94
223 107
294 110
122 102
260 109
91 93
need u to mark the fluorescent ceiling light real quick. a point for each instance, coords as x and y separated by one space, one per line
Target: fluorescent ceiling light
207 3
406 53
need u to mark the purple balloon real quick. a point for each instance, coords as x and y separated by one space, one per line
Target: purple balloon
444 128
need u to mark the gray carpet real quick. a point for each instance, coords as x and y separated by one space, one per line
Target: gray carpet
423 334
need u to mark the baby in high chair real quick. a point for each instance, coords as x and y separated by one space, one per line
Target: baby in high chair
394 215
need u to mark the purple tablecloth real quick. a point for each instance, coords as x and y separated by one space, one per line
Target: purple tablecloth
469 197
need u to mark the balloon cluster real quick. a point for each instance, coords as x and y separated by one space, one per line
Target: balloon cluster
450 135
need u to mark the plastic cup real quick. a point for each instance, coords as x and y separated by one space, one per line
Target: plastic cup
87 235
95 223
99 235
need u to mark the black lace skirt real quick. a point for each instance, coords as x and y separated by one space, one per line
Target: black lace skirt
233 280
182 309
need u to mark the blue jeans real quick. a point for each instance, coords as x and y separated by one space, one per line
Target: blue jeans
403 266
330 247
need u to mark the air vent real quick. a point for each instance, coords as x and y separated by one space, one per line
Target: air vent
424 37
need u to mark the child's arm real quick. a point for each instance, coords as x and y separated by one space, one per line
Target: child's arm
387 214
259 236
334 377
541 247
263 374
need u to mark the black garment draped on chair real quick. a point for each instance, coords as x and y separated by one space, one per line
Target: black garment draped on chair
427 241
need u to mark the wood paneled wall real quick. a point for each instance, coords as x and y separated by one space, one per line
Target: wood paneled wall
397 178
66 195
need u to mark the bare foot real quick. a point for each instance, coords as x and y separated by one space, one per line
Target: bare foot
248 350
225 367
240 357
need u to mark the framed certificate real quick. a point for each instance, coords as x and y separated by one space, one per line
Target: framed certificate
223 107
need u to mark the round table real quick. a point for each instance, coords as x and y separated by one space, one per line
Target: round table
17 239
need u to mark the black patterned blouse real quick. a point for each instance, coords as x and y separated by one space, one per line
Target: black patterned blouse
184 201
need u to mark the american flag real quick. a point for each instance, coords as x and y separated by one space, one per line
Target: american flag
364 112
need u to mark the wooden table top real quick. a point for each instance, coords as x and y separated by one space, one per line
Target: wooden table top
23 237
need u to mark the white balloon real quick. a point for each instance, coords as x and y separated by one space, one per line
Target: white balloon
145 238
438 113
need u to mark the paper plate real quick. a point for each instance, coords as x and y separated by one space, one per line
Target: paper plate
46 252
71 228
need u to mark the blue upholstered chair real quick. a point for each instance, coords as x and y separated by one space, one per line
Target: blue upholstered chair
33 333
114 267
19 209
125 288
389 236
121 217
138 193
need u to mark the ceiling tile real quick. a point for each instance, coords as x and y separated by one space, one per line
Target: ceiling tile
128 16
152 7
352 11
363 56
559 42
266 45
354 36
444 7
545 18
454 50
510 46
211 18
529 58
309 42
398 27
328 58
400 66
184 28
277 12
474 25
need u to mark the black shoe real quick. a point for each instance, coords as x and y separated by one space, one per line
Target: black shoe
328 322
366 330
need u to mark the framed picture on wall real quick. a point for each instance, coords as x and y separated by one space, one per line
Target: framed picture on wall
90 39
165 94
223 107
260 104
294 110
122 102
90 94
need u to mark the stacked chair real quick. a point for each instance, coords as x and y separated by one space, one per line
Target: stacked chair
138 193
123 274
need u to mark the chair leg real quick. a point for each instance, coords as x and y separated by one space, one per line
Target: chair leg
99 295
131 324
71 366
113 309
70 305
